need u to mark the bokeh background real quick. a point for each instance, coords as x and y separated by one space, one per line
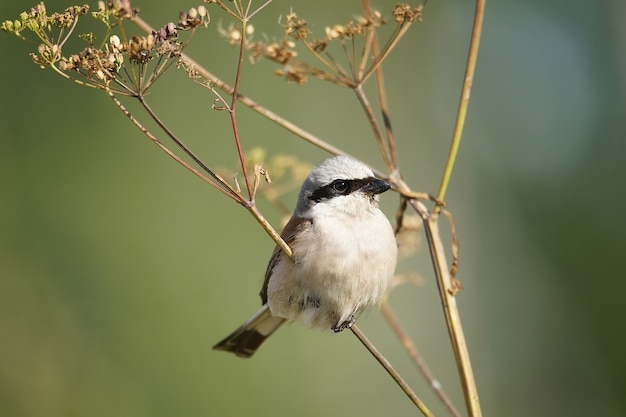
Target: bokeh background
119 270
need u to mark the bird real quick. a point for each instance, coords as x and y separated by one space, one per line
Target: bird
344 257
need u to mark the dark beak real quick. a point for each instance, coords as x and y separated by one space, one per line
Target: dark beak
375 186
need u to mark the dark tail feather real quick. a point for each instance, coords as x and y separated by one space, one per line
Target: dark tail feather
244 341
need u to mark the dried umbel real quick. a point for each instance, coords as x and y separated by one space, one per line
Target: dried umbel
37 20
96 64
118 9
103 65
194 18
405 13
296 27
355 35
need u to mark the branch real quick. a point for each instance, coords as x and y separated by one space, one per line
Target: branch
231 191
464 99
371 118
166 149
250 103
231 109
392 372
417 359
447 290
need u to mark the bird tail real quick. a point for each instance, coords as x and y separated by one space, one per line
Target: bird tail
244 341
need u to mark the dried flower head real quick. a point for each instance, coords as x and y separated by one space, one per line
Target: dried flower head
67 18
193 18
189 68
166 33
233 34
103 66
96 64
352 36
281 52
293 74
37 21
140 49
295 27
354 28
404 13
119 9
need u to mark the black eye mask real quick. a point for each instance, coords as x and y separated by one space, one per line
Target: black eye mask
341 187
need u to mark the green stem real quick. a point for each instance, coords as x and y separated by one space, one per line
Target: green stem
463 101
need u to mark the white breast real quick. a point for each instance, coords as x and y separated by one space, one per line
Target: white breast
344 262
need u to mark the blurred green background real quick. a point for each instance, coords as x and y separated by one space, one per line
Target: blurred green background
119 270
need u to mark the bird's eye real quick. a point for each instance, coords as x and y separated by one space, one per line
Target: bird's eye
340 186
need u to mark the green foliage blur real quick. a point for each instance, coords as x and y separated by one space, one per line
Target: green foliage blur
119 270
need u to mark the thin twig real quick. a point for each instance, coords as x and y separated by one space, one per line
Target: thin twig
249 205
231 110
447 291
252 104
227 9
470 69
390 370
407 342
436 250
69 33
261 7
330 64
270 230
366 52
447 286
371 118
165 149
417 358
382 96
188 151
384 109
387 49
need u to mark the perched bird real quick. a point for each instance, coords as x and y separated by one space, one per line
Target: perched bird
344 253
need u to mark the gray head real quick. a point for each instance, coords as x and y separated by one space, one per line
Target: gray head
336 177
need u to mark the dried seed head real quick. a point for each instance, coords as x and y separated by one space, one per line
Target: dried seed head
405 13
293 74
319 45
335 32
232 35
115 43
296 28
120 9
280 52
193 18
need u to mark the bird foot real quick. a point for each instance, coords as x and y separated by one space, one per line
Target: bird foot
344 325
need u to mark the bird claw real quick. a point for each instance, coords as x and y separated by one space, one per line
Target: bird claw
344 325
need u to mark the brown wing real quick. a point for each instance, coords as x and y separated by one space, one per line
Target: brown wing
292 229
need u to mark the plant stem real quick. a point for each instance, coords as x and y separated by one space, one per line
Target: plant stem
270 230
447 291
417 359
463 100
391 371
188 151
382 97
165 149
371 118
231 110
252 104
